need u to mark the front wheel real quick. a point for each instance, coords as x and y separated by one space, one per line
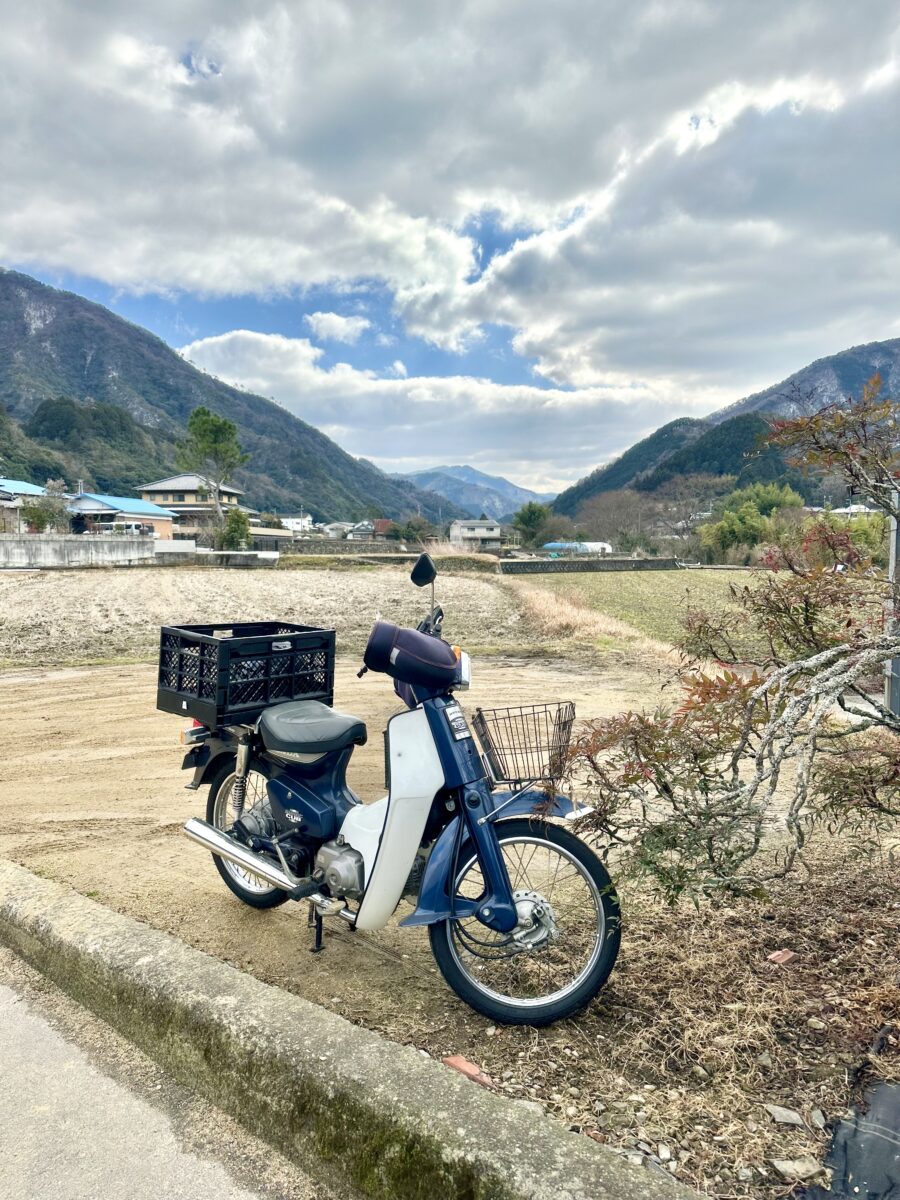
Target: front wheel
566 942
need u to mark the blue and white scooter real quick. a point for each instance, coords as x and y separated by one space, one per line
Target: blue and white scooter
522 916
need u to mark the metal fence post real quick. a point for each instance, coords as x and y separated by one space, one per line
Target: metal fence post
892 668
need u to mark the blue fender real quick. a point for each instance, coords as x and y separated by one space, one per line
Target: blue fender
434 892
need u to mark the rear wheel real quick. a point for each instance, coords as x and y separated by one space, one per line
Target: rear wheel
562 951
222 812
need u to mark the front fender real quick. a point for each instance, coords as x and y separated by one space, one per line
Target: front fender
434 892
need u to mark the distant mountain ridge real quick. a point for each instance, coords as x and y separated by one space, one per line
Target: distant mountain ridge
830 379
728 442
475 491
87 395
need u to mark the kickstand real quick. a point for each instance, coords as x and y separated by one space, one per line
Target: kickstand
315 919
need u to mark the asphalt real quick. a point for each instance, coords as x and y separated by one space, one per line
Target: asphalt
85 1116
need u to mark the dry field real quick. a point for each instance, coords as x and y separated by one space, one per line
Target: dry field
695 1031
653 602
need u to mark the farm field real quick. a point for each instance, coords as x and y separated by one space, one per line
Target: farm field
653 602
695 1031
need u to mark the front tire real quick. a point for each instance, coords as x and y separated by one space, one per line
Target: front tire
570 927
250 889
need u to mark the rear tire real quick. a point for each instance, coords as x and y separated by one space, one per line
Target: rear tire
472 958
217 806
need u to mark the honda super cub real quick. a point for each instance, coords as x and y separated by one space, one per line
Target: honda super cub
522 917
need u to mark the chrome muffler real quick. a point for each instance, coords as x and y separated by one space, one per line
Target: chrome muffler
218 842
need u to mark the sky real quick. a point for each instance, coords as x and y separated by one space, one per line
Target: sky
511 234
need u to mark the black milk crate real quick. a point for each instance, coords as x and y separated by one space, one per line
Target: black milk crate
226 674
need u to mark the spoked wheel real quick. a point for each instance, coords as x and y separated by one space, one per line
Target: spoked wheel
222 812
565 945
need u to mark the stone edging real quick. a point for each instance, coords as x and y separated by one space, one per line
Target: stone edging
363 1112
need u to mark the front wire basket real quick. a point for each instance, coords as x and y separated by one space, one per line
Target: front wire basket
526 744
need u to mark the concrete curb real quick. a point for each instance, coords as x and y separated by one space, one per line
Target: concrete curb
340 1100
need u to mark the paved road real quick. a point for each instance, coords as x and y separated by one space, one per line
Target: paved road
83 1116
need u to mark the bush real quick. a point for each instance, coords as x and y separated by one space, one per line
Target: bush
687 793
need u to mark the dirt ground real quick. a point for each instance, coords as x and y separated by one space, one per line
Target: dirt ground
694 1032
53 617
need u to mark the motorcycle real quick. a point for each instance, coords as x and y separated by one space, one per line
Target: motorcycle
522 916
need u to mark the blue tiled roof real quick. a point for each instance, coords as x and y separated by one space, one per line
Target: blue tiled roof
20 488
128 504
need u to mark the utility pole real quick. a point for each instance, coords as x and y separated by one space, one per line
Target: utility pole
892 668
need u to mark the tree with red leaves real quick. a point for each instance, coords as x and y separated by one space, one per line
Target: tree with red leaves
781 726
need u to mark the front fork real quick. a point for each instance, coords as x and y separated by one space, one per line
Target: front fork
496 907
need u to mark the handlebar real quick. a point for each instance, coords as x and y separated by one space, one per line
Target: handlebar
433 623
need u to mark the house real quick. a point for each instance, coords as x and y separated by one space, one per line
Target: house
121 514
382 527
362 531
189 497
13 493
12 488
298 523
478 536
337 529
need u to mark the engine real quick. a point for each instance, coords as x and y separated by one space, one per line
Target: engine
257 822
342 869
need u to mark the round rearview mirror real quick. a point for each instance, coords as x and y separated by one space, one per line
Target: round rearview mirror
424 572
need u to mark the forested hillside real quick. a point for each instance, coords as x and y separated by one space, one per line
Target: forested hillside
728 443
89 396
640 460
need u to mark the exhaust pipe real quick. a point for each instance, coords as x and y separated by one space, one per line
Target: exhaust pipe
220 843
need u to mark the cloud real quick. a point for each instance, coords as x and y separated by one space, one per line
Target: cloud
547 436
690 199
398 368
329 326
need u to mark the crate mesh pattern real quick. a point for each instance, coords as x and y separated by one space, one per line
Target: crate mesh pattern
214 673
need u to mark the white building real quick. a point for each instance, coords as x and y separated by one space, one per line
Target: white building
477 536
298 523
575 548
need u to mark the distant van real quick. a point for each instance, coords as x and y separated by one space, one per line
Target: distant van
130 529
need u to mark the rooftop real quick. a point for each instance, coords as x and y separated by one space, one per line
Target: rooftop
186 483
126 504
18 487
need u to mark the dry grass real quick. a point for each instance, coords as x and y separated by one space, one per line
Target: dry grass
696 1030
652 602
570 616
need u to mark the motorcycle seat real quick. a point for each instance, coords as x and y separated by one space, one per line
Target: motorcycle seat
309 727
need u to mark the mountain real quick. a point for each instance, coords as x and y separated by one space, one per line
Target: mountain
640 460
475 491
826 380
86 395
728 441
733 447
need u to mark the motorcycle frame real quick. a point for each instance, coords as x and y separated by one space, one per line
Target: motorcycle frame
466 808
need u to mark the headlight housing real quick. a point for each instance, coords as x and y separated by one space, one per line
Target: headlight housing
463 669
